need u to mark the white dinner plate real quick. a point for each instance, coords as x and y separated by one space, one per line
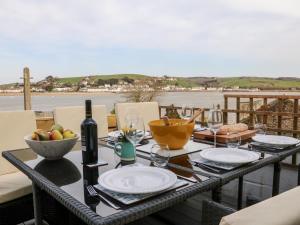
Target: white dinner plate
137 180
275 140
229 155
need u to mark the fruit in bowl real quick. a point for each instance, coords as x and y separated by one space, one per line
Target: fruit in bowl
53 144
175 134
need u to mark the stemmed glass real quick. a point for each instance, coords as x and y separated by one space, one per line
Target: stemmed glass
234 142
184 112
135 129
259 126
214 122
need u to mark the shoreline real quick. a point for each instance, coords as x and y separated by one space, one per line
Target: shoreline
124 93
60 93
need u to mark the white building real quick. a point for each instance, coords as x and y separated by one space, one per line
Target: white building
198 88
64 89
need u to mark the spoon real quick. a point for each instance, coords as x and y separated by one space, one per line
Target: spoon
166 121
198 113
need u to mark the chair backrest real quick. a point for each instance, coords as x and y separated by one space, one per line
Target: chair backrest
72 117
147 110
13 127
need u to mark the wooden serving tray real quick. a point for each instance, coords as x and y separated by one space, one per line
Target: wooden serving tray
207 135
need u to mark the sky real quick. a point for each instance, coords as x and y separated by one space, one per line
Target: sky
157 37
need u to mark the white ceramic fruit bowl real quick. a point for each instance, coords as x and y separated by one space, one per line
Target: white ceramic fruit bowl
51 150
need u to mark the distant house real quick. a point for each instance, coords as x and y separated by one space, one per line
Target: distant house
64 89
83 89
84 82
11 91
96 90
198 88
211 89
122 82
169 87
37 89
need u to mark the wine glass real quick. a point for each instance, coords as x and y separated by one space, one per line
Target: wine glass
160 155
214 122
259 126
186 112
135 129
183 111
234 142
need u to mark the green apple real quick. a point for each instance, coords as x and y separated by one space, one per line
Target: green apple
57 127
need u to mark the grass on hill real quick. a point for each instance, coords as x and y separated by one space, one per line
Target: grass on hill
258 82
74 80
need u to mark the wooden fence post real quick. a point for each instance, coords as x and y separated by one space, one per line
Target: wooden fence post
265 116
238 108
27 91
251 114
295 127
225 113
279 118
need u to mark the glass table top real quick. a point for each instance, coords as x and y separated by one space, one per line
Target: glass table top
71 176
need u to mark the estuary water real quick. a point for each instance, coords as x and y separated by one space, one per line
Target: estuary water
48 102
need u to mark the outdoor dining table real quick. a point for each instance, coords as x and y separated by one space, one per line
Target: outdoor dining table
63 181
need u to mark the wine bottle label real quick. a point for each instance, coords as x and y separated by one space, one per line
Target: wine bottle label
83 143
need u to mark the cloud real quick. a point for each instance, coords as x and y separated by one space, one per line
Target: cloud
255 30
289 8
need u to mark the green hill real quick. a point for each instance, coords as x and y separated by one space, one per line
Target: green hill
263 83
74 80
259 82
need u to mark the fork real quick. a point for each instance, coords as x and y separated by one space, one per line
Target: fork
94 193
205 166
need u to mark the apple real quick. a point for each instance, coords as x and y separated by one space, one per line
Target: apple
56 135
40 135
58 128
69 134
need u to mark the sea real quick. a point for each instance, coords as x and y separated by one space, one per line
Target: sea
48 101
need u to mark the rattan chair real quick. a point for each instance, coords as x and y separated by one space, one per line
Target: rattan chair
282 209
16 203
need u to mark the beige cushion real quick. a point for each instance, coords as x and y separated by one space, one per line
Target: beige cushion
147 110
284 209
72 117
13 186
14 126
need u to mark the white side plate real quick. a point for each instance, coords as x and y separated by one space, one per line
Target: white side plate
137 180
